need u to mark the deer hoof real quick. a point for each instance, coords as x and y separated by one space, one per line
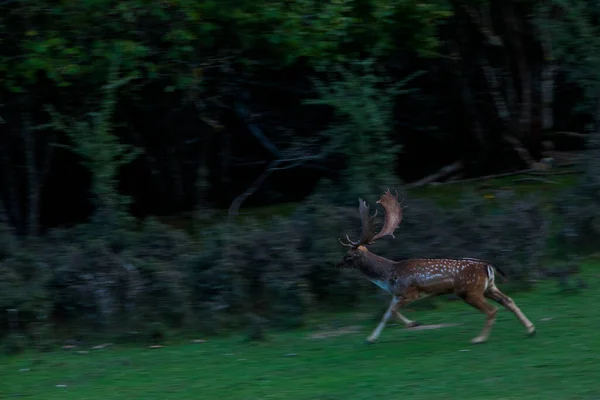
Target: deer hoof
531 331
479 340
413 324
369 341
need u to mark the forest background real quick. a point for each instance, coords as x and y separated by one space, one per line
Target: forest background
190 164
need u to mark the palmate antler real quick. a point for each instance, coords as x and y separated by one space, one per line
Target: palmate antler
393 217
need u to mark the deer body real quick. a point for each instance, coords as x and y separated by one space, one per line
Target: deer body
471 279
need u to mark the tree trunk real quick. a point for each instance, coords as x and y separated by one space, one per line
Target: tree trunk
514 32
33 178
176 176
476 128
225 162
13 203
548 75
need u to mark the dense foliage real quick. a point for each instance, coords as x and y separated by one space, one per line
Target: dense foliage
203 97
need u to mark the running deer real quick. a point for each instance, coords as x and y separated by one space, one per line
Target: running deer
470 279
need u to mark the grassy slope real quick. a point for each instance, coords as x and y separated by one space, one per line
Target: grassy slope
445 195
561 362
544 187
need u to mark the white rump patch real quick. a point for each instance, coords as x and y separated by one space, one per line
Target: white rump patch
491 277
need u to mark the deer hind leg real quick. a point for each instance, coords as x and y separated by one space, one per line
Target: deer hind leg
495 294
478 301
409 323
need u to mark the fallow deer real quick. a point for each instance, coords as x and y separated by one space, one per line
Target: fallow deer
470 279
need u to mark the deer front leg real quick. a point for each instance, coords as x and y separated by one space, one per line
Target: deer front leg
375 334
478 301
396 303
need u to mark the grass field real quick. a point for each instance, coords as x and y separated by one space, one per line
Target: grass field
332 362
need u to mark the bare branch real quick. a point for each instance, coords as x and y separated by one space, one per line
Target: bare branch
234 208
577 135
442 172
276 165
243 112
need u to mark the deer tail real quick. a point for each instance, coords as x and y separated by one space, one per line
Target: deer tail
501 272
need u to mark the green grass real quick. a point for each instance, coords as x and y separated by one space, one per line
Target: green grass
546 187
561 362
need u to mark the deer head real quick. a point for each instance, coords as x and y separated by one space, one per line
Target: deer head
393 217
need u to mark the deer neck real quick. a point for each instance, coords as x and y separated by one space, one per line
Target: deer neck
377 269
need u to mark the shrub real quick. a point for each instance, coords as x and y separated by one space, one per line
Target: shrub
8 244
320 225
577 208
160 242
256 275
24 291
89 284
161 291
507 231
272 272
211 284
96 287
15 343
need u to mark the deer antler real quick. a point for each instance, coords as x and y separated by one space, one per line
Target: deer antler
393 217
368 226
393 214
